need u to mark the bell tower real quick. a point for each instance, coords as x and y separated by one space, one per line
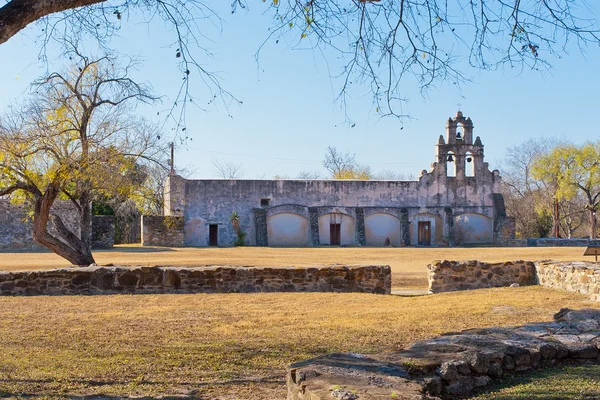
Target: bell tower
461 157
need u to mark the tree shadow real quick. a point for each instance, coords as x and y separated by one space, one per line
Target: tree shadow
193 390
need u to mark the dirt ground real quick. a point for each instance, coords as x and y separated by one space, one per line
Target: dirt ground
408 263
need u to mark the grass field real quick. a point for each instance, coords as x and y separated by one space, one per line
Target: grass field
236 346
408 263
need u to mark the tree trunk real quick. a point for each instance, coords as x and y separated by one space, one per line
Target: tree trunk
592 223
71 248
17 14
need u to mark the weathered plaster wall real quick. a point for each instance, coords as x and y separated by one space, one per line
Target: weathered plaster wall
480 228
287 229
380 226
162 231
105 280
449 276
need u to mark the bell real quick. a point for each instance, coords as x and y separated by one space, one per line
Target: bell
469 159
458 135
450 158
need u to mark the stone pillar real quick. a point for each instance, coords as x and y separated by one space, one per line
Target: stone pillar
260 227
404 227
313 220
361 238
449 225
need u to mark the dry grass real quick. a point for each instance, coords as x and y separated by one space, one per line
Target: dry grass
236 346
408 264
226 346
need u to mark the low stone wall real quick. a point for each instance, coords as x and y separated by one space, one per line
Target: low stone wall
162 231
448 276
573 276
110 280
579 277
452 365
553 242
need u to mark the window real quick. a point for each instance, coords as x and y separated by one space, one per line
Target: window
265 202
469 164
451 165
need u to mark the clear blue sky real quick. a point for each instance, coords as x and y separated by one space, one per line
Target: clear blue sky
289 116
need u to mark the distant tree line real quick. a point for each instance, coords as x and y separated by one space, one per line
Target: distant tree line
552 188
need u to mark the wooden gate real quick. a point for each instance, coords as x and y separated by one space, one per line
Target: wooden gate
424 233
335 234
213 235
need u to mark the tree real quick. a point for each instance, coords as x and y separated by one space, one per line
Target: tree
574 169
76 139
227 169
308 175
344 166
379 43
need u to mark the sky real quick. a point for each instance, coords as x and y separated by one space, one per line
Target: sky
289 113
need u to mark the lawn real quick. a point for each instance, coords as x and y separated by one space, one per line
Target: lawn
236 346
408 263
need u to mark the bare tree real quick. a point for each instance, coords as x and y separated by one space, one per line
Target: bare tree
227 169
390 175
379 44
309 175
336 162
76 138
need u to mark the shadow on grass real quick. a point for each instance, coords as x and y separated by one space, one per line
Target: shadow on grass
191 390
562 382
132 249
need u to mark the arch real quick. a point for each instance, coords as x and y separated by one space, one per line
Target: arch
379 226
287 229
469 165
473 228
346 228
451 165
288 209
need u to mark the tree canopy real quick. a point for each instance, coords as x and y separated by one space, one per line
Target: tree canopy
382 45
75 139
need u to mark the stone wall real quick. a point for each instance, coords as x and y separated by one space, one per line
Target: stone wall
452 365
16 224
554 242
110 280
103 231
162 231
448 276
579 277
573 276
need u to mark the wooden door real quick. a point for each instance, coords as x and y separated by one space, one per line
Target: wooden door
213 235
424 233
335 234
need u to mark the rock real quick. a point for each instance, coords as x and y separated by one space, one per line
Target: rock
478 362
514 285
481 381
508 364
461 387
448 372
585 351
343 394
433 385
495 370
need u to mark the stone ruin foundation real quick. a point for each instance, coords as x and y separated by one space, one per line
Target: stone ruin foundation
452 365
